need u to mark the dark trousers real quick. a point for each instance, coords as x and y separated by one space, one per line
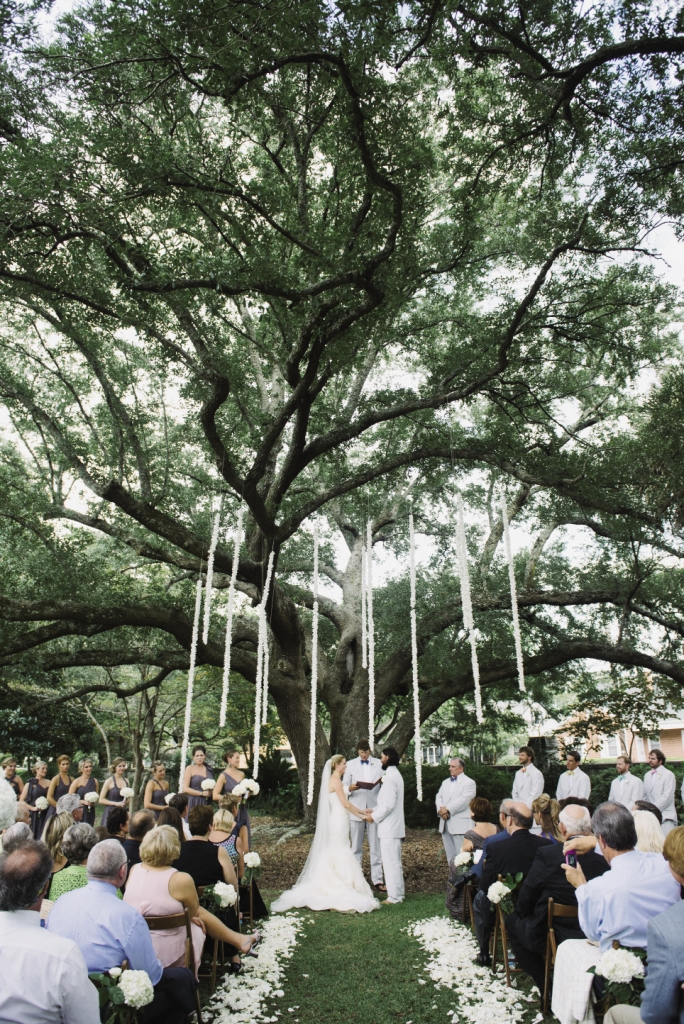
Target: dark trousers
484 919
529 956
174 998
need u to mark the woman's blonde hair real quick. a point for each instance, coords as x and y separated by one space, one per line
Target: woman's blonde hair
223 820
6 761
228 802
115 762
650 838
160 847
673 850
54 830
335 760
548 810
84 762
38 764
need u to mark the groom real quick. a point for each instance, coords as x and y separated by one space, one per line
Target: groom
389 816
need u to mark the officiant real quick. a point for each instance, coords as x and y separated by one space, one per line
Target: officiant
363 776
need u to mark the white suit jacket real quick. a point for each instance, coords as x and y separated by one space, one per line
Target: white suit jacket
389 813
357 772
659 789
528 784
575 783
456 797
626 789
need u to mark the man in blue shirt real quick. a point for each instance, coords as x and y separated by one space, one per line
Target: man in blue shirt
109 931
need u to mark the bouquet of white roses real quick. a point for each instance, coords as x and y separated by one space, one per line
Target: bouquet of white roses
623 970
500 892
127 792
224 894
42 803
122 991
92 797
252 867
247 788
208 784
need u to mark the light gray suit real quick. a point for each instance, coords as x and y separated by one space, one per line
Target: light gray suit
455 794
389 815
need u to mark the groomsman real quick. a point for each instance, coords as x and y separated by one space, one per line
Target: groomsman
627 788
528 781
389 816
659 789
367 770
453 807
574 782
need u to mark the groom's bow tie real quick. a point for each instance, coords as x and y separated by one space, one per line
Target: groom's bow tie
364 762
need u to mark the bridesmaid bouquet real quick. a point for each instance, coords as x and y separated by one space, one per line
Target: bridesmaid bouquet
208 784
247 788
91 798
252 867
122 991
42 803
127 792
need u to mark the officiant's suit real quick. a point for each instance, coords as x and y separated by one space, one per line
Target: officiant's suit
359 770
389 815
455 794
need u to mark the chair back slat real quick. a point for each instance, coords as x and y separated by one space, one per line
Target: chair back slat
565 910
156 924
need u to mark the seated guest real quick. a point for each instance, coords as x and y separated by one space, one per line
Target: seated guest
22 812
206 864
644 805
71 803
53 834
77 842
117 823
180 802
546 810
223 835
620 903
102 832
650 836
514 855
496 837
527 925
662 1001
15 836
43 978
110 931
138 827
170 816
473 841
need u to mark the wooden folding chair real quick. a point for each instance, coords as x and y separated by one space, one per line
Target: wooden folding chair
218 952
499 937
251 903
168 921
553 910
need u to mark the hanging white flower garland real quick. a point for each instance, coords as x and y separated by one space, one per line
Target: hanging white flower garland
514 598
229 619
364 638
314 675
261 644
191 679
466 604
210 576
370 633
414 661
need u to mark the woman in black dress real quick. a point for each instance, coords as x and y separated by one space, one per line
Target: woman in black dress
193 777
59 785
85 783
156 789
110 794
15 781
36 789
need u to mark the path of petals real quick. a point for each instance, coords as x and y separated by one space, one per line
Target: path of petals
241 998
482 998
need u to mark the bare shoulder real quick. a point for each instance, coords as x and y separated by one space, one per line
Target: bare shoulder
181 884
335 784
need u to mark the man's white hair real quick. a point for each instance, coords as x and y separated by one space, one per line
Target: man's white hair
70 802
106 859
576 819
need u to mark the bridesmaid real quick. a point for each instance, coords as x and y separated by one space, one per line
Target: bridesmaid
194 776
86 784
15 781
156 789
226 783
35 788
59 785
110 795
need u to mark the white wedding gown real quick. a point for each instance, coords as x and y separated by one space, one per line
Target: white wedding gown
332 878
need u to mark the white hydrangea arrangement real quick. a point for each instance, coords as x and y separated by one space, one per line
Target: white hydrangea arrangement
252 867
208 784
623 971
42 803
497 891
225 894
92 797
8 805
123 989
461 859
137 988
127 792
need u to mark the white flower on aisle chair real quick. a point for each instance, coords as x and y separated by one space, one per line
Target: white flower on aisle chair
252 860
461 859
225 894
136 988
497 891
619 966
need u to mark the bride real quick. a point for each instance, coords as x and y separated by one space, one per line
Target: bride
332 878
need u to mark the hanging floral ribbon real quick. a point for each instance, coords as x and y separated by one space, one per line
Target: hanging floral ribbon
314 675
364 637
466 603
414 661
261 644
210 577
371 635
514 598
229 619
191 679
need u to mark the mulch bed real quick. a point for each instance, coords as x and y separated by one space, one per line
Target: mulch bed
284 847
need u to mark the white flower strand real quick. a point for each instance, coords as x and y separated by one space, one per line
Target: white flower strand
264 642
466 603
191 679
514 598
241 998
364 637
260 665
229 619
314 675
210 577
414 661
267 662
370 634
482 997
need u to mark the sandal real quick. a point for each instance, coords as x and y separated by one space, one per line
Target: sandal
255 942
